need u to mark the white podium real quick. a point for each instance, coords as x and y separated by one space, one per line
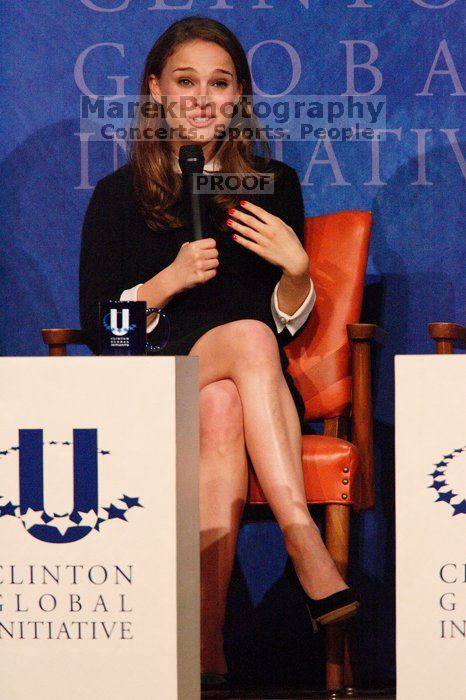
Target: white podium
430 394
99 528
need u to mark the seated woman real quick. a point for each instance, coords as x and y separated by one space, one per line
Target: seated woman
234 299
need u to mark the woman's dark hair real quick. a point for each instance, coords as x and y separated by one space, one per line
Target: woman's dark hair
156 185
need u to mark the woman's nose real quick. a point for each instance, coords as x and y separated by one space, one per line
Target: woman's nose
203 95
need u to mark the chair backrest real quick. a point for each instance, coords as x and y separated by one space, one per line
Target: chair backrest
320 360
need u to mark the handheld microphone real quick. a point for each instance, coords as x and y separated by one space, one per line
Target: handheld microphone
191 160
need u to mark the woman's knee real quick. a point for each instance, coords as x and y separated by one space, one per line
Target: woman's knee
236 347
255 344
220 413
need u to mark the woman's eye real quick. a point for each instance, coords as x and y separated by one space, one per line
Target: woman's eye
220 83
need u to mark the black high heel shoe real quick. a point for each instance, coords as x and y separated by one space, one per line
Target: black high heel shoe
336 607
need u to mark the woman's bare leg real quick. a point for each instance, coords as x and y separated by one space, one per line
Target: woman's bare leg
223 490
246 352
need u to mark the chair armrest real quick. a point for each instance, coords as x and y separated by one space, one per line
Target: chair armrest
445 334
58 338
361 335
360 332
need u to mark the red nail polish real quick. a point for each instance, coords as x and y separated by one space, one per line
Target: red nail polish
234 236
231 211
243 202
229 222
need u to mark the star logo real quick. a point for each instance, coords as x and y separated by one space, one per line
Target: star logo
88 519
32 517
437 485
436 473
130 502
445 496
64 527
8 509
449 480
62 523
114 512
460 508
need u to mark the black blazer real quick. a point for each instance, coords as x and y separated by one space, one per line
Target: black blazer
119 250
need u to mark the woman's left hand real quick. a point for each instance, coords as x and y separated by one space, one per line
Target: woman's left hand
269 236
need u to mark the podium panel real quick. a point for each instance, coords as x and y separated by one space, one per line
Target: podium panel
99 528
430 417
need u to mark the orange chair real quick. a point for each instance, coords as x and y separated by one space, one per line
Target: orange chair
330 364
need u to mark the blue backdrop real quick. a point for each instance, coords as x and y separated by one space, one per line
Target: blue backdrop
54 51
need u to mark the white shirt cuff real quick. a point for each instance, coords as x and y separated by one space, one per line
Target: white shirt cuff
294 321
132 295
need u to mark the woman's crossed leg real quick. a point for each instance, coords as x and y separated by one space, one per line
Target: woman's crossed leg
245 403
223 481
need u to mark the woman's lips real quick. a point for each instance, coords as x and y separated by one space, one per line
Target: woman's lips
200 124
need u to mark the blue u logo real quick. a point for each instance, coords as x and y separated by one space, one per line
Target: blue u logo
110 322
116 329
85 482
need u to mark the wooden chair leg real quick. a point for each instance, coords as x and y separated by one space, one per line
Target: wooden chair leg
337 523
444 346
348 678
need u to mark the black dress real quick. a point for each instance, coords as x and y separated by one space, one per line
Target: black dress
119 250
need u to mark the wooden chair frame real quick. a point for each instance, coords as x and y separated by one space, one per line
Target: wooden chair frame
446 335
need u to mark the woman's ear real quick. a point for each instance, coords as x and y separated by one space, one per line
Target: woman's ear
154 88
238 97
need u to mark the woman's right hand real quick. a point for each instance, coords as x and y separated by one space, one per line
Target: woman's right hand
195 263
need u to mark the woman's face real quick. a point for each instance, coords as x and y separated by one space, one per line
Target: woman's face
198 83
